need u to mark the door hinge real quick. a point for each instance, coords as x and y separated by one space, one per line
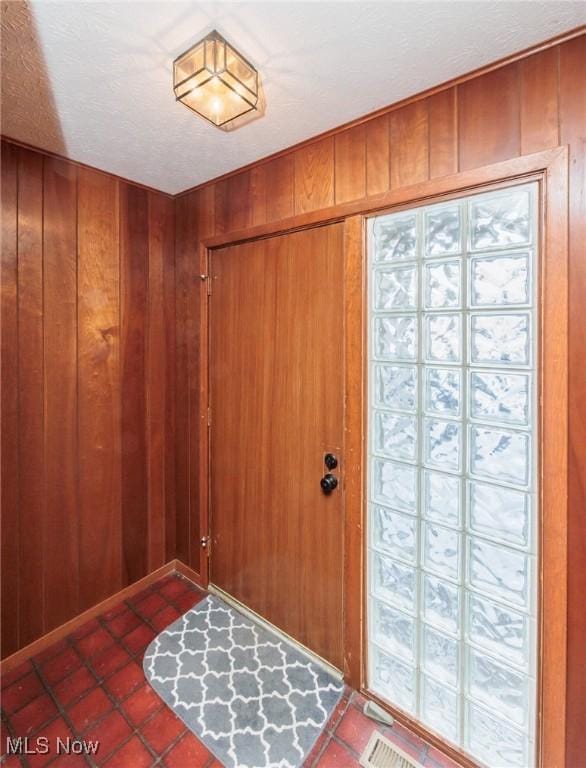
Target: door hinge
208 281
205 543
209 416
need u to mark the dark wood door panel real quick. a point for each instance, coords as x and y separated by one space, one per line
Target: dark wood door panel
277 385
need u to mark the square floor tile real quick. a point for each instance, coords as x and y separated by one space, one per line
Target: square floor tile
188 751
141 704
8 678
61 666
108 661
73 686
138 640
125 681
110 732
114 611
85 629
337 756
35 714
95 642
57 729
21 692
48 653
150 605
132 755
124 623
163 618
172 589
162 729
355 729
89 709
186 601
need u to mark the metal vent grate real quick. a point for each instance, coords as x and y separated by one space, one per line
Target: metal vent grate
381 753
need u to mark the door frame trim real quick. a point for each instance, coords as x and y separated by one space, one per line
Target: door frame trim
550 169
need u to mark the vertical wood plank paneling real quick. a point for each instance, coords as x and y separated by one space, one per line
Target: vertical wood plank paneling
280 187
409 145
221 206
239 201
572 103
10 599
377 155
155 366
61 581
443 133
488 117
170 379
314 176
99 387
185 261
134 262
30 392
201 213
350 164
258 195
539 101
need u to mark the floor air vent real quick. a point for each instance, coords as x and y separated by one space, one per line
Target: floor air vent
381 753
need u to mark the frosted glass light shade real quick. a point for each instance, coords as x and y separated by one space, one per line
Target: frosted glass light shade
215 81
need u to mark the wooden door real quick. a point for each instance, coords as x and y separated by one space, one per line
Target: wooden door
277 407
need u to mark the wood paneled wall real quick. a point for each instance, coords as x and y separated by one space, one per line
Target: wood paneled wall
88 314
525 106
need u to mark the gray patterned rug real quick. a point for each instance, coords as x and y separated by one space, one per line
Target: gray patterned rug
252 698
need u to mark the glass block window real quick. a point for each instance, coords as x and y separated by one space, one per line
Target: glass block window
452 480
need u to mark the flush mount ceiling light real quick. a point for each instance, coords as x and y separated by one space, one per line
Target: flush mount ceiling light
214 80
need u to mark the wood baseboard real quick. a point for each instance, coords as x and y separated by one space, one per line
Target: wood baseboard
38 645
189 573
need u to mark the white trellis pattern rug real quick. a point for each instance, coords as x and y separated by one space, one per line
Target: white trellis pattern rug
253 699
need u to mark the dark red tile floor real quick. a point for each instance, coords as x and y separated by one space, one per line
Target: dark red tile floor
91 687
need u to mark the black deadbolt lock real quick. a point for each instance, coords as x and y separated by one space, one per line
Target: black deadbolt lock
328 483
330 461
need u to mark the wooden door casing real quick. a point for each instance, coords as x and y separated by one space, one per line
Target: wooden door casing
276 393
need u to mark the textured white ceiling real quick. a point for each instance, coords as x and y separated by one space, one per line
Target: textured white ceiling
92 80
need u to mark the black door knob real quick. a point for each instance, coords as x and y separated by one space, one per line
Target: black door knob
330 461
328 483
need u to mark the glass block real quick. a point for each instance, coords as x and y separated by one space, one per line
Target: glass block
494 741
500 220
499 513
440 656
499 687
395 288
442 231
395 485
443 338
496 396
443 388
441 603
500 630
495 570
442 284
393 629
441 498
499 454
499 280
395 338
395 237
442 443
393 679
394 533
396 387
441 550
440 708
395 435
500 339
394 582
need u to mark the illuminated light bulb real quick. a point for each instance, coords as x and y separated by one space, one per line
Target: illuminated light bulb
216 105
